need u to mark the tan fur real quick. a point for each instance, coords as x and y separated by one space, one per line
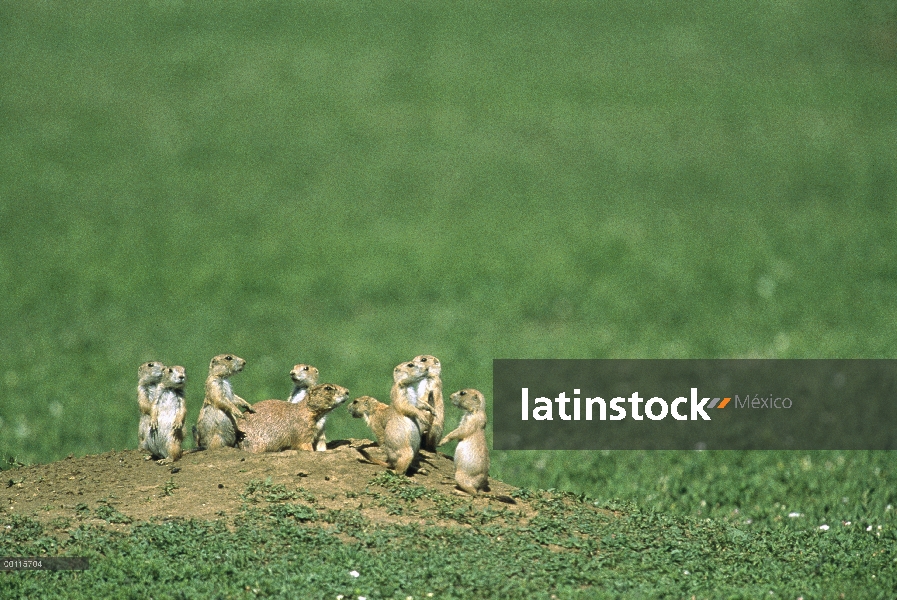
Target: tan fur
303 376
472 452
409 380
396 434
149 378
431 395
165 441
221 407
277 425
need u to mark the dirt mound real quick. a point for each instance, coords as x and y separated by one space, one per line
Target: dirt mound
118 488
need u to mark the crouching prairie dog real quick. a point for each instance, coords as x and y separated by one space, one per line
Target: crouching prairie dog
472 453
169 411
396 434
149 378
221 407
409 382
276 425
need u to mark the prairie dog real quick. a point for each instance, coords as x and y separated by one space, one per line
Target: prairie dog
149 377
221 407
169 410
303 376
276 425
472 453
396 434
429 392
408 384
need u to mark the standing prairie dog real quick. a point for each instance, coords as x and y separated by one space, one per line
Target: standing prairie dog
149 377
396 434
429 392
408 385
303 376
221 407
276 425
472 453
169 411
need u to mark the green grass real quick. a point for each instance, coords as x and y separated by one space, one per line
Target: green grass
757 488
304 183
350 185
571 550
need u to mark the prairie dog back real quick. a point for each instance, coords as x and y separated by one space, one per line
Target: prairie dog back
278 425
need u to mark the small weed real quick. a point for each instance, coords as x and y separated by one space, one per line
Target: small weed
294 511
169 488
61 523
400 486
522 493
14 462
257 490
346 517
389 480
111 515
306 495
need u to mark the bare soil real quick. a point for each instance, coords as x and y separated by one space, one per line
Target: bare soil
211 484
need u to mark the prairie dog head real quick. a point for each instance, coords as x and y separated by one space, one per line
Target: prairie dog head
408 373
304 375
363 406
150 373
175 378
225 365
326 396
430 363
470 400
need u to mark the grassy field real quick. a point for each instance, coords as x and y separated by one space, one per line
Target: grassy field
280 548
352 184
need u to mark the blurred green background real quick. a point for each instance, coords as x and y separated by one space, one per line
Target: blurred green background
350 184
